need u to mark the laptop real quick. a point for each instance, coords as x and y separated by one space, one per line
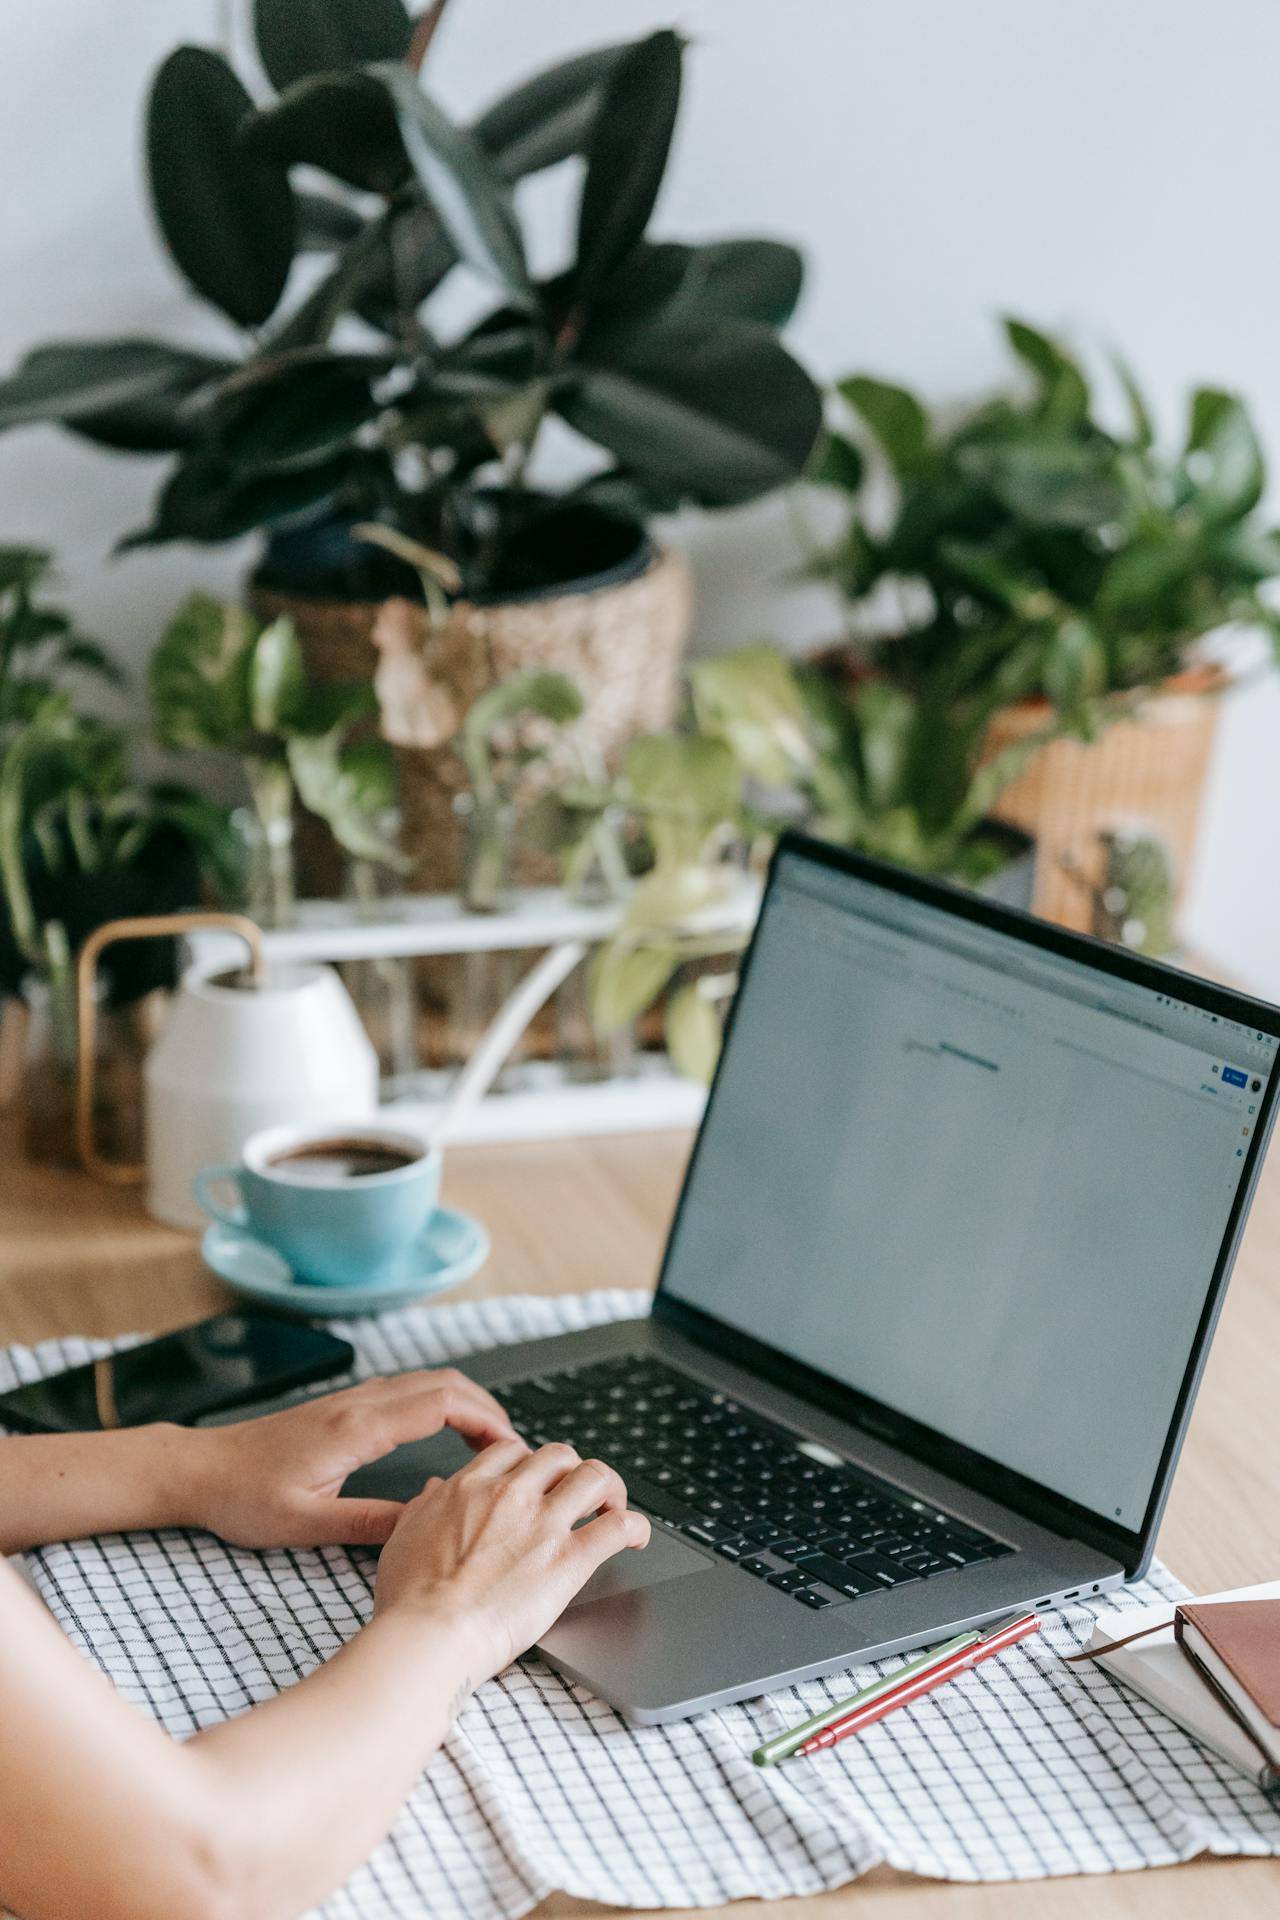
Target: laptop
936 1299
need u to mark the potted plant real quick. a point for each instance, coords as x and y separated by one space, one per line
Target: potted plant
345 396
1066 570
220 680
79 845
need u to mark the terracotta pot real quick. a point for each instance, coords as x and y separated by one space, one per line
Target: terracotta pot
1146 770
619 637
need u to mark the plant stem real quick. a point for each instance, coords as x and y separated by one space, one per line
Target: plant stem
271 787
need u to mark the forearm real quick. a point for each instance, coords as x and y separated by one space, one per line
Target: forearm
62 1486
335 1757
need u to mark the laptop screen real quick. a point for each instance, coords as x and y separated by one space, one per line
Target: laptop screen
984 1185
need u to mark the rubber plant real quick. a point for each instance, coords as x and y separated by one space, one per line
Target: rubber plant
219 680
341 393
1029 549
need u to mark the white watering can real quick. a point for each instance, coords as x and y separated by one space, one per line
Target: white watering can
238 1053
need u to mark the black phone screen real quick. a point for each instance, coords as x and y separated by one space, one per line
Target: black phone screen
217 1364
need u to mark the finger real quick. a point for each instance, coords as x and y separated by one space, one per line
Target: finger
548 1466
449 1380
590 1488
376 1427
600 1539
502 1457
351 1523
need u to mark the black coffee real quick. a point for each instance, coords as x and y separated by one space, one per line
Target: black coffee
328 1160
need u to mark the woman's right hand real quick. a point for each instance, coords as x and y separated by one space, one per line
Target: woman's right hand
497 1548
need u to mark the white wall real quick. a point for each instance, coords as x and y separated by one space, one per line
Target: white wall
1113 170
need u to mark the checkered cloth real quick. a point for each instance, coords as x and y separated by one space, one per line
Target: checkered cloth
1022 1768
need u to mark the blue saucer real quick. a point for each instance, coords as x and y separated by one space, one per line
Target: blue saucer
451 1248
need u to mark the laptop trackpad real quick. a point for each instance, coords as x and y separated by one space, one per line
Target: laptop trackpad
665 1558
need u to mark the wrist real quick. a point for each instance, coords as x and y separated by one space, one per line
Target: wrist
453 1627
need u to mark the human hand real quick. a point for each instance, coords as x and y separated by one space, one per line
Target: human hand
275 1481
497 1549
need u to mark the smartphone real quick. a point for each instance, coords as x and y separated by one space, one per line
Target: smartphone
229 1361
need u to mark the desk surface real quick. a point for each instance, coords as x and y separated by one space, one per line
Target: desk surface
77 1258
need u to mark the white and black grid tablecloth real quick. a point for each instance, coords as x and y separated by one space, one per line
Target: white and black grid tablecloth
1022 1768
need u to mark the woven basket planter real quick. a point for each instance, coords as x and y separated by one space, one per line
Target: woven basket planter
621 642
1147 770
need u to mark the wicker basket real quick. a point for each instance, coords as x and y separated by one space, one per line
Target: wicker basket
621 644
1148 770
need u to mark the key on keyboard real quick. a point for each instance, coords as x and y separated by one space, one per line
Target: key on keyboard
740 1485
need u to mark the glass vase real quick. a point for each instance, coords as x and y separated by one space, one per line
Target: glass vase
271 894
382 987
47 1096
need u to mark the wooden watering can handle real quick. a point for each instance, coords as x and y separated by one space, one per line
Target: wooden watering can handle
119 1173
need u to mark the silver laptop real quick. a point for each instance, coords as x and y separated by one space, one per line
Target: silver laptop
937 1296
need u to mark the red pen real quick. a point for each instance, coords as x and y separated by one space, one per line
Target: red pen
1005 1633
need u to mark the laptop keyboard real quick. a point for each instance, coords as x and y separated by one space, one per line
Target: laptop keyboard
736 1483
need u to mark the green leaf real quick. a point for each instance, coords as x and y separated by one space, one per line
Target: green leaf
198 678
1075 670
686 787
324 224
626 157
277 678
693 1033
750 699
294 409
548 117
725 280
1064 393
624 980
227 217
893 415
1223 459
718 415
93 385
462 185
300 37
996 579
835 462
206 501
351 787
1142 430
23 567
344 123
1049 483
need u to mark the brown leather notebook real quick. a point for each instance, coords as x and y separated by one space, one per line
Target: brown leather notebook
1235 1646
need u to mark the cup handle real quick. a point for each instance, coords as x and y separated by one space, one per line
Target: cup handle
206 1178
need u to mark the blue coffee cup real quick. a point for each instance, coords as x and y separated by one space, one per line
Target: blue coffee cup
342 1205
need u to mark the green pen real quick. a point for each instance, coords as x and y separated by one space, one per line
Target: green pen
783 1744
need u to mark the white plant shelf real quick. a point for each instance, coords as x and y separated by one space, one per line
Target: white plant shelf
650 1098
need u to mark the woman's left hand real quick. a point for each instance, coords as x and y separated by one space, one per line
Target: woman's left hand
276 1481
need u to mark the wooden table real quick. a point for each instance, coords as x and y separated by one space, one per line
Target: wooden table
76 1258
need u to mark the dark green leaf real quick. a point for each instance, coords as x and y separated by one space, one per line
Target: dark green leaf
549 117
742 280
326 224
205 501
626 157
1063 389
836 462
462 185
23 567
344 123
1075 670
716 415
1223 458
894 416
295 410
84 383
301 37
227 217
413 258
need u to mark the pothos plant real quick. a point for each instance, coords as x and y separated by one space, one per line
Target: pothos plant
219 679
1028 548
343 392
